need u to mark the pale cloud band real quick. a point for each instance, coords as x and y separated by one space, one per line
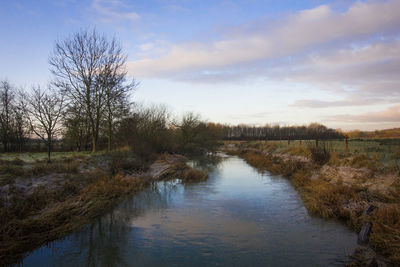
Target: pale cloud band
290 36
392 114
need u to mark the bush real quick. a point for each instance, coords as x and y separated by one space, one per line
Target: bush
194 175
320 154
127 161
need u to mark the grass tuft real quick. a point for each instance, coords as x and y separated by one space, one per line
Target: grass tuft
191 174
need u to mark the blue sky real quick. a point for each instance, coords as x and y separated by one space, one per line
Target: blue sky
258 62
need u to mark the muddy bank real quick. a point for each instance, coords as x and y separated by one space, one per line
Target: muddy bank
41 203
342 191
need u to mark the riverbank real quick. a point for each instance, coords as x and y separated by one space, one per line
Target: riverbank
344 187
42 202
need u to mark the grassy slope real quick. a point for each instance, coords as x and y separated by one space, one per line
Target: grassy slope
41 202
342 188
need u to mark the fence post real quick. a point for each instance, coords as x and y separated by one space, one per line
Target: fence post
347 144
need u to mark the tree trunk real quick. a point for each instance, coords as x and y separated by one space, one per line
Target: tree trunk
93 143
109 135
48 149
109 143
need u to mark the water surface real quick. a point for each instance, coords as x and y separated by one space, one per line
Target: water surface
238 217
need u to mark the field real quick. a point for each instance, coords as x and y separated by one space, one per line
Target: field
385 150
31 157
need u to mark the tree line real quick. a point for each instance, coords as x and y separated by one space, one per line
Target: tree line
88 105
313 131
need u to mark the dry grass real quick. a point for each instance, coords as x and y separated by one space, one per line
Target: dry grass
363 161
385 234
334 159
179 170
191 175
112 187
300 151
48 214
12 169
41 168
328 200
332 198
271 163
89 187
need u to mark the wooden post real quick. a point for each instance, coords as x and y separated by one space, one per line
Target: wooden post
280 139
300 141
288 140
316 142
347 144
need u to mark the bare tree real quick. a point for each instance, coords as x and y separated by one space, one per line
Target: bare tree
13 124
117 106
44 109
75 127
6 113
89 68
20 124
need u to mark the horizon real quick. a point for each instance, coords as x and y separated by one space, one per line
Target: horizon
233 62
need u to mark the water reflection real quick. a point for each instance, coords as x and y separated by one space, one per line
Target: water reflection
209 163
238 217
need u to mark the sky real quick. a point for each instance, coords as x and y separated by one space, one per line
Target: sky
246 61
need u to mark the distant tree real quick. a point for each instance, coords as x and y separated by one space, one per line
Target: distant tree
188 126
76 130
13 127
20 127
197 136
90 70
117 103
146 131
44 109
6 113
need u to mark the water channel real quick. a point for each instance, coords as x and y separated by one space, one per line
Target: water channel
238 217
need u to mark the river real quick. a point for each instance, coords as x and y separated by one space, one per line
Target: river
238 217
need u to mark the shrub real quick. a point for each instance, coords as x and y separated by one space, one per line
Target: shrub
127 161
320 154
191 174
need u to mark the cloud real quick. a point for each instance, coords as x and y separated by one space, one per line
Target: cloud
296 34
113 11
391 114
146 46
310 103
364 75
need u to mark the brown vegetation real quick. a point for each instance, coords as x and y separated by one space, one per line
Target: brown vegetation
46 201
340 186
